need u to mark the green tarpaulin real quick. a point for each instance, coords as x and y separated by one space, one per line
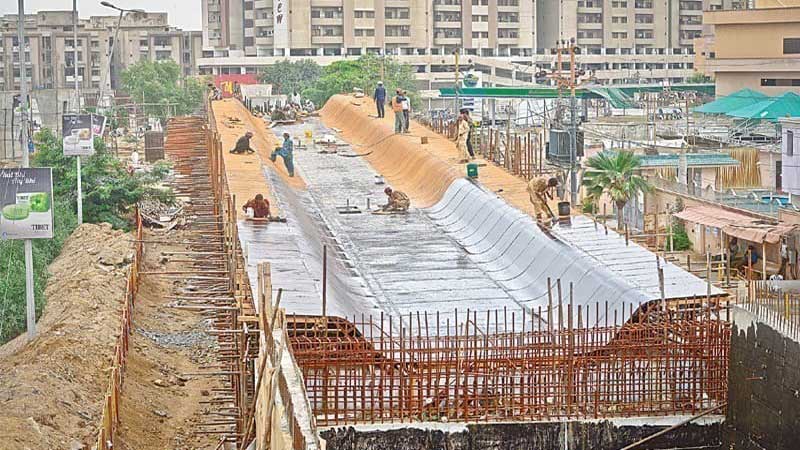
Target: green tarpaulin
772 109
739 99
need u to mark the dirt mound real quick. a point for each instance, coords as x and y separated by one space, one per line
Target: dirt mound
52 389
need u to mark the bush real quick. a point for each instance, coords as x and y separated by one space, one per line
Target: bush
680 239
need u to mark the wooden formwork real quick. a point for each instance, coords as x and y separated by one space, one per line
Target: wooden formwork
110 419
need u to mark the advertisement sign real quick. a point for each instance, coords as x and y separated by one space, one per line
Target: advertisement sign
280 14
76 131
472 79
98 125
228 84
26 203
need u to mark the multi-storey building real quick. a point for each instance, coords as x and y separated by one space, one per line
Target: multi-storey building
50 48
621 41
757 49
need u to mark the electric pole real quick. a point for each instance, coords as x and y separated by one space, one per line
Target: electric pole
457 79
573 130
30 301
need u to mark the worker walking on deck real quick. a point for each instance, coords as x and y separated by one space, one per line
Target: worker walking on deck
259 205
406 112
398 201
243 144
539 190
286 152
380 100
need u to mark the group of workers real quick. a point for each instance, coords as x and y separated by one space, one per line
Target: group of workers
401 105
285 151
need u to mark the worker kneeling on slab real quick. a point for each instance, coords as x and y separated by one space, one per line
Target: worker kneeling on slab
259 205
243 144
286 152
398 201
540 189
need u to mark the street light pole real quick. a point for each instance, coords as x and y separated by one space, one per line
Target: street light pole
77 108
114 43
30 301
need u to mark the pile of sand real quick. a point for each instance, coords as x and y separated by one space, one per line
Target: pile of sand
52 389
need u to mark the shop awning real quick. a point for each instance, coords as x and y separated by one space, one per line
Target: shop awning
737 225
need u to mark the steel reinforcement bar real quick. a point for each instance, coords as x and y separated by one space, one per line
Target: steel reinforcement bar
489 366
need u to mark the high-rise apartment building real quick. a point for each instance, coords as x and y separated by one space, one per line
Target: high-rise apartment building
49 48
621 41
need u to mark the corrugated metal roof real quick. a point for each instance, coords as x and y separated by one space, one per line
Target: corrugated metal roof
734 224
692 159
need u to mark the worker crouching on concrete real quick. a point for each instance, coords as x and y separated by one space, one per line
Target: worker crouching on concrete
398 201
243 144
259 205
286 152
540 190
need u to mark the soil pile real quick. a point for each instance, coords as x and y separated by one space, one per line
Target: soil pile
52 389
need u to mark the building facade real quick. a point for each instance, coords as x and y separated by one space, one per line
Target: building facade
757 49
49 48
621 41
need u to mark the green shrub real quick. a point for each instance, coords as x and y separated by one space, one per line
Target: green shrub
680 239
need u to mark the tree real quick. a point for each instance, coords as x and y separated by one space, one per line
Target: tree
287 77
363 73
160 85
109 190
698 77
614 174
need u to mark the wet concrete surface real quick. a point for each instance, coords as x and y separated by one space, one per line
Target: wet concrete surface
408 264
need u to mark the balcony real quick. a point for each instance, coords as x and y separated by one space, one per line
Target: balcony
264 22
326 21
327 39
262 4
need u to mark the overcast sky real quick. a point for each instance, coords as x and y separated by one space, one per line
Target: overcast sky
182 13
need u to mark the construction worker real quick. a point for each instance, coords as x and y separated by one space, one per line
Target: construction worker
461 137
406 112
243 144
540 190
259 205
397 107
285 151
398 201
380 99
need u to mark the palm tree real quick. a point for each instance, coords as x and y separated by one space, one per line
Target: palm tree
614 174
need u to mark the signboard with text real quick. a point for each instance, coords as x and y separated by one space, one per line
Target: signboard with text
98 125
76 132
26 203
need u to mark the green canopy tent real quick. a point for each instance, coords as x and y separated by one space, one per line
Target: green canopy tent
787 105
739 99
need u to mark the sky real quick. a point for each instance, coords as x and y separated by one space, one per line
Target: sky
183 14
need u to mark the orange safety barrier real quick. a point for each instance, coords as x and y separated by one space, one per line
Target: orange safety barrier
109 423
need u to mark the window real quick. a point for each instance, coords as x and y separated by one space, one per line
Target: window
644 4
618 35
143 43
362 14
248 23
791 45
619 19
480 34
618 4
644 34
644 18
774 82
398 30
249 41
360 32
397 13
789 143
480 18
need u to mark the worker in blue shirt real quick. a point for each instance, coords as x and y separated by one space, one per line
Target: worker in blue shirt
285 151
380 99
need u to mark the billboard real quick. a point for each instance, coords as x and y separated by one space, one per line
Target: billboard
227 83
76 132
26 203
98 125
